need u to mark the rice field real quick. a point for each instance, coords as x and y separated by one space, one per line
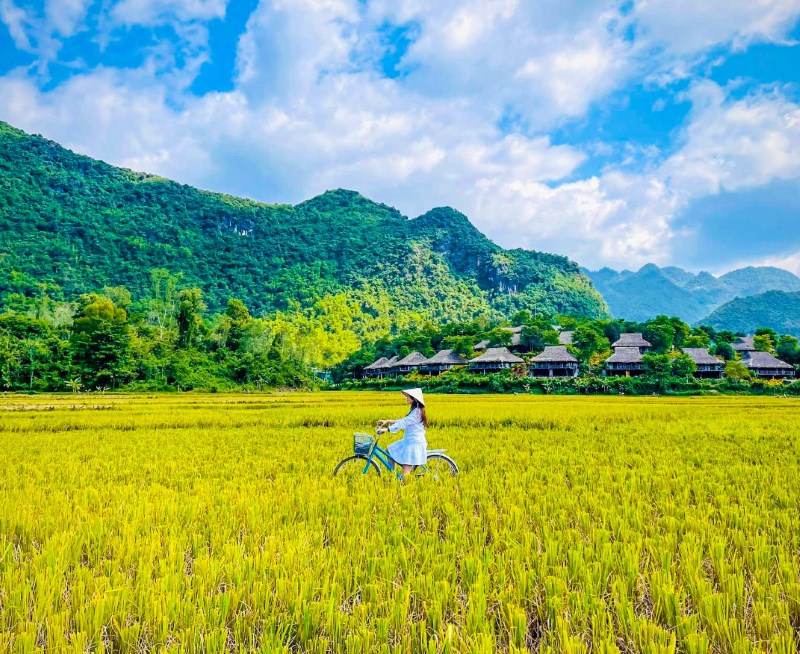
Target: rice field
211 523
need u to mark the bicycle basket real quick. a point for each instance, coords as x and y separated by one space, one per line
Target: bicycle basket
362 442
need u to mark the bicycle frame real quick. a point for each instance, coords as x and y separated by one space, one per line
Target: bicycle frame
377 452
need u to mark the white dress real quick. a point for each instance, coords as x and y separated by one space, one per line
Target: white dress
412 449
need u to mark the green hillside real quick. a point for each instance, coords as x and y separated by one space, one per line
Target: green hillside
652 291
78 224
775 309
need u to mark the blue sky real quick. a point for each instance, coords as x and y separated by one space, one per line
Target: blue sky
616 133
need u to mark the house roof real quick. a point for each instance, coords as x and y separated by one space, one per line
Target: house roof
700 355
413 359
516 334
497 355
481 346
625 355
630 340
758 360
376 364
447 357
383 366
555 354
565 338
744 344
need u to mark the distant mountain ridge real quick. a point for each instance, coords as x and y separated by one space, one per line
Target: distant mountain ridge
650 291
777 310
72 224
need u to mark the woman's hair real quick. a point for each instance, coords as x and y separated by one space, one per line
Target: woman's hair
421 407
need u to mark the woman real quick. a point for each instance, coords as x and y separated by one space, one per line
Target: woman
412 449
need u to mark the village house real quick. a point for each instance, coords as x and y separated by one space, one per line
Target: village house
555 361
443 361
408 364
766 366
381 370
632 340
626 361
627 357
708 366
494 359
373 369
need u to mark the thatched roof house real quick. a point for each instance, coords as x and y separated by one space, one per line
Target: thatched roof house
373 368
565 338
763 364
443 360
631 340
495 358
383 369
708 366
481 345
409 363
555 361
744 344
625 361
555 354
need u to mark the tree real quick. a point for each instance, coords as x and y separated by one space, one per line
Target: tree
239 317
533 338
101 342
657 364
787 349
723 349
683 365
737 370
588 339
725 336
660 333
764 342
189 316
162 303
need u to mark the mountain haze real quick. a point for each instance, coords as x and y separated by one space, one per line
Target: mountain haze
76 224
651 290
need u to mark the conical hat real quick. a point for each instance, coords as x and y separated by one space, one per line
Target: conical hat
416 394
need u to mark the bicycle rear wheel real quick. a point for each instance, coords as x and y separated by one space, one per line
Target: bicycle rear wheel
355 466
438 466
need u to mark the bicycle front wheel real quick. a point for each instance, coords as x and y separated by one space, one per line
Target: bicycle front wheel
355 466
439 466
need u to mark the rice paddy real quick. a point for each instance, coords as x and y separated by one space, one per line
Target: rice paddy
213 524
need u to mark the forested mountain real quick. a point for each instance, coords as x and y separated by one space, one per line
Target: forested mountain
774 309
652 291
77 225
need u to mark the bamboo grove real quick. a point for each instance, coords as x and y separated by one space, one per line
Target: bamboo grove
213 524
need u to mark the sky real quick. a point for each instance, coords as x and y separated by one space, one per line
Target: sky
615 133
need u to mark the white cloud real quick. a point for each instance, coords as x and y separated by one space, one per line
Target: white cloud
688 26
65 17
150 12
17 21
735 145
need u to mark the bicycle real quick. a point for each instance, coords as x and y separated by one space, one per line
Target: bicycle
367 454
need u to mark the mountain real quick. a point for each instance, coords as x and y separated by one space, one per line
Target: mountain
75 224
651 290
775 309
